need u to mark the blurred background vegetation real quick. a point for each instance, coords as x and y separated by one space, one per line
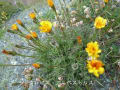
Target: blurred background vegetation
9 8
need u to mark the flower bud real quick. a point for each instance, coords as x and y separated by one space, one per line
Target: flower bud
13 53
32 15
14 27
19 22
37 65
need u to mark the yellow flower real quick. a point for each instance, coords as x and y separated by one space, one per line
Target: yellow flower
14 27
100 22
36 65
106 1
32 15
19 22
95 67
93 49
46 26
50 3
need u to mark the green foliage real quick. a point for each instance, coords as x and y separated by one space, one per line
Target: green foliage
6 11
49 15
2 31
8 8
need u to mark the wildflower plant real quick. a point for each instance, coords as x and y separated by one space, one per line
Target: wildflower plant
65 49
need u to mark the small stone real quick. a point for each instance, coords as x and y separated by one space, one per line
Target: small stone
87 16
84 7
60 78
61 85
73 12
87 11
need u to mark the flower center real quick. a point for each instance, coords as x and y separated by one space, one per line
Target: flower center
96 65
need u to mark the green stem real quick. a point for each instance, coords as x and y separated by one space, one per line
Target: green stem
25 56
15 65
99 83
36 48
28 48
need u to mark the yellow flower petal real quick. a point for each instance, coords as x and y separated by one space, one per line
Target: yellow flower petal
90 70
106 1
101 70
96 73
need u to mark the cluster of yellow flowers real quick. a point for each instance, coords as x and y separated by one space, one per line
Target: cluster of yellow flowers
45 26
94 66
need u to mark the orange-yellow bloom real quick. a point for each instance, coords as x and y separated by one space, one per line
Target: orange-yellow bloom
19 22
34 34
95 67
50 3
100 22
79 39
28 36
46 26
32 15
14 27
93 49
106 1
31 35
36 65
